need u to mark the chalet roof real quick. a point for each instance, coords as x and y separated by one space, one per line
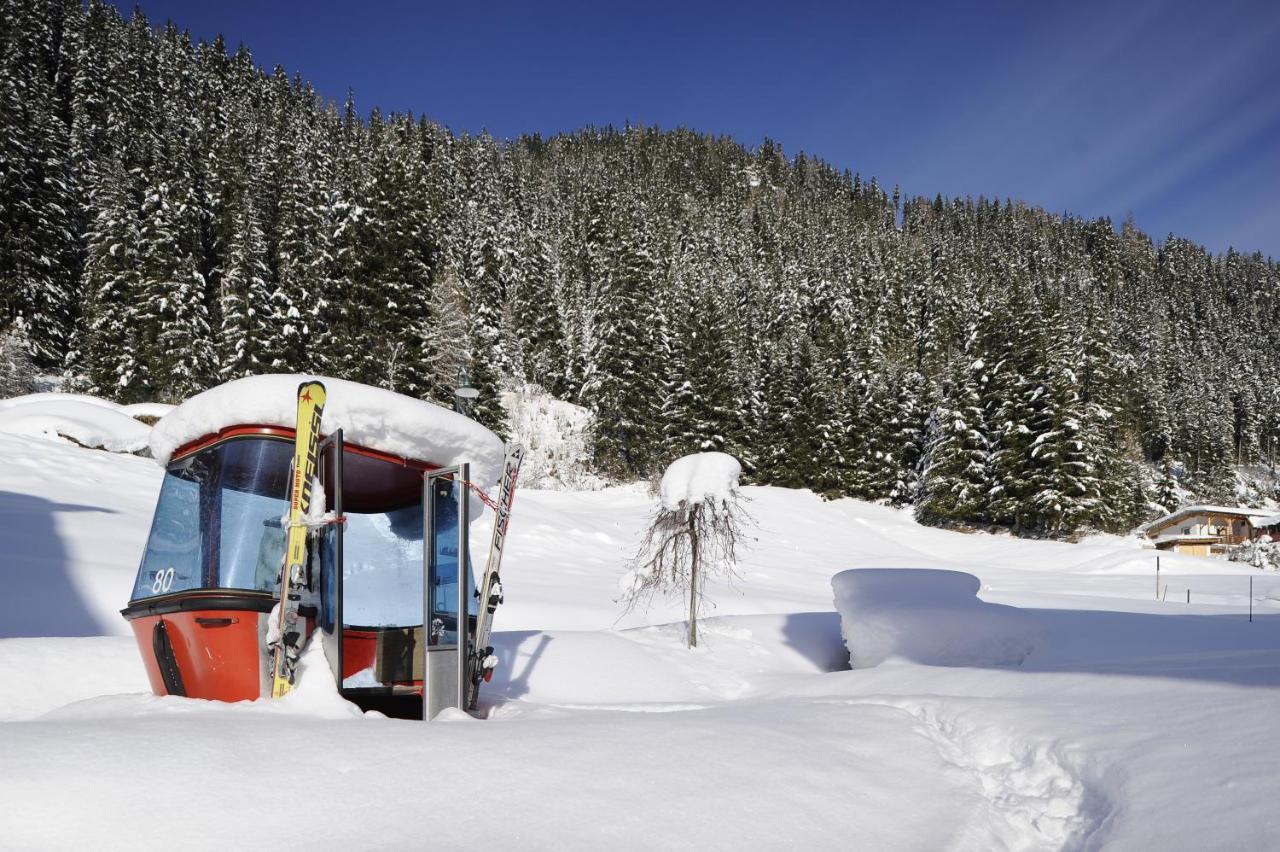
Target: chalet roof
1188 539
1252 515
1270 521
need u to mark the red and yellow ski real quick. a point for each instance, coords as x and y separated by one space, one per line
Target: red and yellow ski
288 635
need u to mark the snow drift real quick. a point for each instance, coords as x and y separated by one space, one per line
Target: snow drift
928 616
87 420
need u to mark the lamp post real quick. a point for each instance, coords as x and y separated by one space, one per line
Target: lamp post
464 396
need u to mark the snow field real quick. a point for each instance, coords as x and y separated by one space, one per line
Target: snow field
1130 723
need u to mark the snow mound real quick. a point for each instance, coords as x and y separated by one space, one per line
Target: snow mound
699 477
928 616
86 420
371 417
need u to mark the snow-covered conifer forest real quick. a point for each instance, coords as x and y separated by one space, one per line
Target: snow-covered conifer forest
173 216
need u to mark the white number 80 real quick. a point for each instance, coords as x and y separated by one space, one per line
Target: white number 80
163 582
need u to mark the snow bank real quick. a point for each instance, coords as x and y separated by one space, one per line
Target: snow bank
86 420
927 616
699 477
369 416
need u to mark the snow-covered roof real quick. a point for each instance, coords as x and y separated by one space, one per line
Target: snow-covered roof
370 417
1208 510
698 477
87 420
1187 539
1269 521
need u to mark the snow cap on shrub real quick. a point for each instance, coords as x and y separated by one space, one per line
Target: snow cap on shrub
699 477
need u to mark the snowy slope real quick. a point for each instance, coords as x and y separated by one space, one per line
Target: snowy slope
1130 723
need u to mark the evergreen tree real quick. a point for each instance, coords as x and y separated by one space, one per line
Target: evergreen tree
39 259
955 483
621 382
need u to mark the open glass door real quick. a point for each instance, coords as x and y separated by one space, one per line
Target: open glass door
448 591
330 546
371 614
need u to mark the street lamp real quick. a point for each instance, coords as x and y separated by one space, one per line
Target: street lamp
464 396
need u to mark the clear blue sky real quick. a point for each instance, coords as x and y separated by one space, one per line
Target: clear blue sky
1166 110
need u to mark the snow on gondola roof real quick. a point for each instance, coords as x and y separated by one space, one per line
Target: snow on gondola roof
371 417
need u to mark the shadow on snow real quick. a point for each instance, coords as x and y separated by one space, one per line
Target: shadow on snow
39 597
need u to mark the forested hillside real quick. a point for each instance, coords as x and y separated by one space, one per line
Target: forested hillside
171 217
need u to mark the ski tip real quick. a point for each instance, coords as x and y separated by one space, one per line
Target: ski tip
311 391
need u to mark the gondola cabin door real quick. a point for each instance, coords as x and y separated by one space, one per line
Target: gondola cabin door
448 592
391 555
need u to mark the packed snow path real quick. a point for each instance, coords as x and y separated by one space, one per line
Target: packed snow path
1130 723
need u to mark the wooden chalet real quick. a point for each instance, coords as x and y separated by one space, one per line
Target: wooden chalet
1209 530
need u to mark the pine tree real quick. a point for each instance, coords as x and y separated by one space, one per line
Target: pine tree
955 478
39 258
621 382
245 337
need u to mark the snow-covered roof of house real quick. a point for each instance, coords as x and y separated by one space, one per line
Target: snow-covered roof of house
1207 510
1269 521
1187 539
371 417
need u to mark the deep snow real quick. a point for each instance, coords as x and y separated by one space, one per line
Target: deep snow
1131 723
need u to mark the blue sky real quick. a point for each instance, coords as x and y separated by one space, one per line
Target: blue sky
1166 110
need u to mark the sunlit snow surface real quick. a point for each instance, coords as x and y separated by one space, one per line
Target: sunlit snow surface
1052 702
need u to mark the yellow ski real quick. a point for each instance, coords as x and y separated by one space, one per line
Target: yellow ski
287 636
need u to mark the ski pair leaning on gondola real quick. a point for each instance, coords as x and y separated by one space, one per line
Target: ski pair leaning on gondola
284 638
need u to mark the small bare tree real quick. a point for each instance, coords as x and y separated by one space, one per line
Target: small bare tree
688 541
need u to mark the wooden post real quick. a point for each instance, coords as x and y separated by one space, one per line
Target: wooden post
1188 596
693 576
1157 577
1251 599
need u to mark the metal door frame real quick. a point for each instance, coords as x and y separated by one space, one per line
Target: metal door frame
433 701
333 495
